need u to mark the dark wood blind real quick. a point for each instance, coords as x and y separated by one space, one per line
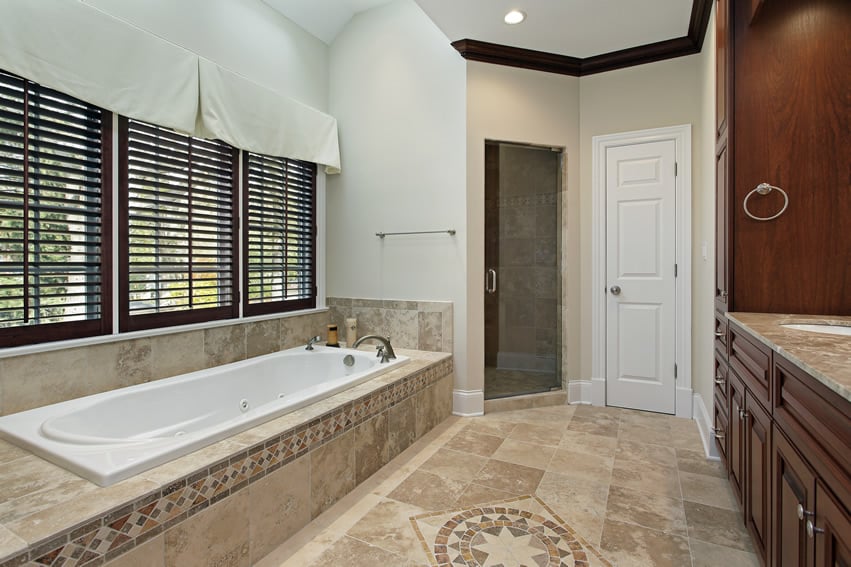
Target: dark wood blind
279 235
55 156
178 214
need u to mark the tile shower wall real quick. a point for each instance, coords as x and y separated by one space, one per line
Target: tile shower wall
420 325
35 380
529 282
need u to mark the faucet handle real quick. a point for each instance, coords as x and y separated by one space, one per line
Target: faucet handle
380 351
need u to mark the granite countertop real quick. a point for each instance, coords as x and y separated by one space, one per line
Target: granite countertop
827 357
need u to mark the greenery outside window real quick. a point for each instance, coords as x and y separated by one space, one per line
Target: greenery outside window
279 234
55 186
177 229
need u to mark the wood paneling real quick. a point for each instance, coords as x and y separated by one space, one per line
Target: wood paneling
792 129
757 424
793 485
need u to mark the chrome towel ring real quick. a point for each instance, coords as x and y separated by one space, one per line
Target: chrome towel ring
765 189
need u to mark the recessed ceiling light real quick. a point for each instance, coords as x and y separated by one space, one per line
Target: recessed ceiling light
515 17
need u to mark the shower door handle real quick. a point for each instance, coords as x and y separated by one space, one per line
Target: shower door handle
490 281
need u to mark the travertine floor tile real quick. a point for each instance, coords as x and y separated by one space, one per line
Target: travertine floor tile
582 466
711 555
509 477
351 551
717 525
649 453
693 461
580 502
647 477
473 442
449 463
588 443
476 494
527 454
387 526
646 509
602 427
537 434
628 545
628 482
428 491
709 490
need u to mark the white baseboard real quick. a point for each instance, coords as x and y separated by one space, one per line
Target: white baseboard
579 392
704 425
468 403
685 403
598 392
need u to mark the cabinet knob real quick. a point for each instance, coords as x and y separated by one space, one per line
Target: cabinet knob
743 414
812 530
719 433
724 293
719 334
719 380
802 513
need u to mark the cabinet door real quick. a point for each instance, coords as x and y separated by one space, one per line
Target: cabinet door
721 428
832 531
722 233
736 433
757 490
722 48
794 499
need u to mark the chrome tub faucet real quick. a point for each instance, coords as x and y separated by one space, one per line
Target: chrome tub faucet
312 341
385 351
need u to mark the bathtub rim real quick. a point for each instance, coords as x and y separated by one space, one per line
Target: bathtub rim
88 456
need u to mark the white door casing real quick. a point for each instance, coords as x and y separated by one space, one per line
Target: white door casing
640 259
594 391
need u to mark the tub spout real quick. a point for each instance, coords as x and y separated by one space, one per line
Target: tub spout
312 341
385 350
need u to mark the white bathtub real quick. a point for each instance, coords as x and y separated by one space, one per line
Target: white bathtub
112 436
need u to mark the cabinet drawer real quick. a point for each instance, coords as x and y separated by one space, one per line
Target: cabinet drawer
752 362
817 421
721 334
720 378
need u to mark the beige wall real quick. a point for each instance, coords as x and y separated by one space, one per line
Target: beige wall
517 105
666 93
532 107
397 91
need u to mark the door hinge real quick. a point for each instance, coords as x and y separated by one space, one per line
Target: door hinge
675 168
675 270
675 371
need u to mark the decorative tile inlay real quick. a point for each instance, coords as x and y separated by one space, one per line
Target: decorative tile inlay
105 538
521 531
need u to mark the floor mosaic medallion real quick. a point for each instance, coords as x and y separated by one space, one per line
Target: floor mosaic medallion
512 533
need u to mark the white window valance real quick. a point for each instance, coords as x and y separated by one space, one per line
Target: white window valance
81 51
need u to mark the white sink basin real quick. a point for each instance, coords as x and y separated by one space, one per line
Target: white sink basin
821 328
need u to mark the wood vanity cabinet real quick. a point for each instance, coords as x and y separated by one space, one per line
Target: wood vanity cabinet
787 448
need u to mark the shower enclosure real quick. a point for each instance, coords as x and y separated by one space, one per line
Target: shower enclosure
523 192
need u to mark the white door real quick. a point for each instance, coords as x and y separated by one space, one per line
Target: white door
640 279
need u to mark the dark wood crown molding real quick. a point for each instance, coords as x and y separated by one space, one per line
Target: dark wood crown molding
473 50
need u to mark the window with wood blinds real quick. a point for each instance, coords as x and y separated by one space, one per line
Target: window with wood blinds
178 211
55 157
279 234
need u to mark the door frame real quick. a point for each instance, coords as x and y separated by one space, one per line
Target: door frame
681 135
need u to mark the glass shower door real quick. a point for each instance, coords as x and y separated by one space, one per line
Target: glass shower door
522 268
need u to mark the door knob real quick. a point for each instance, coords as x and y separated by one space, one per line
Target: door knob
615 289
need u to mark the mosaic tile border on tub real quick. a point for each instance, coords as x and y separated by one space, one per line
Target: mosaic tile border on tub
103 539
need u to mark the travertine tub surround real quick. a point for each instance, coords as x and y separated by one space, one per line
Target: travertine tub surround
421 325
35 380
232 502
